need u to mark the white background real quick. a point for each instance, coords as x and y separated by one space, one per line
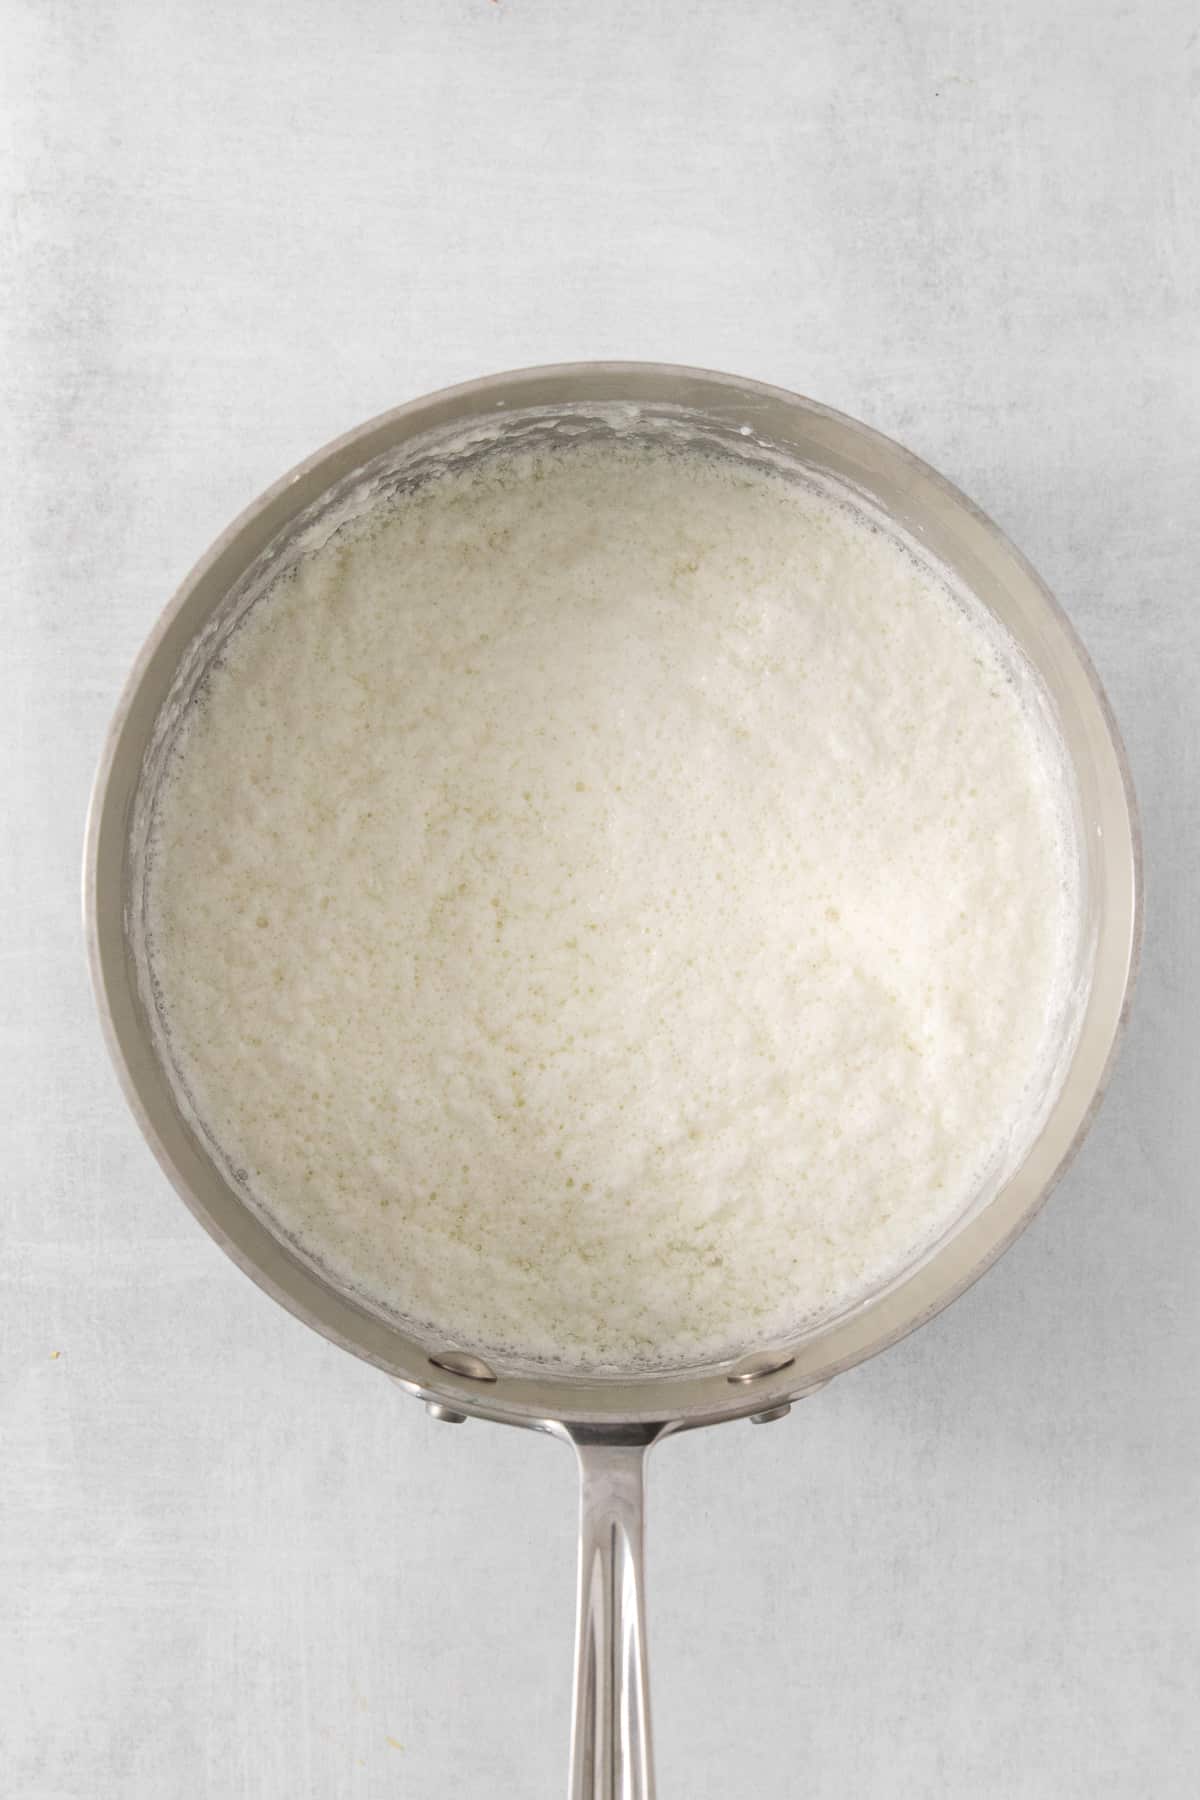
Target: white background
236 1564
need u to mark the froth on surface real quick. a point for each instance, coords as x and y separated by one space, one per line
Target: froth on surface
611 906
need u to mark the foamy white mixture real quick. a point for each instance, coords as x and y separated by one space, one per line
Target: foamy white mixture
613 906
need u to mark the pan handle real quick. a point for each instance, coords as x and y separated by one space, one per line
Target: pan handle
611 1756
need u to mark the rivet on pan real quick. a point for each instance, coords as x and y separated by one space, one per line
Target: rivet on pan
756 1368
446 1414
772 1413
458 1362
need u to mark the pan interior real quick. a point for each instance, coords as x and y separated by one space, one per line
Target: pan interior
382 485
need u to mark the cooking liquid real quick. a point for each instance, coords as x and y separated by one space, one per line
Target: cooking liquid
614 906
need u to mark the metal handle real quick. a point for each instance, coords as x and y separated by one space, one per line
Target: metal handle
611 1755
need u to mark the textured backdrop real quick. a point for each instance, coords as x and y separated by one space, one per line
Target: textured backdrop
235 1564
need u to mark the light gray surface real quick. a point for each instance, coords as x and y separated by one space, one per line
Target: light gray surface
235 1564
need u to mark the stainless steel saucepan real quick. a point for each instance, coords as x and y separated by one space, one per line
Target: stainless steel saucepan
611 1421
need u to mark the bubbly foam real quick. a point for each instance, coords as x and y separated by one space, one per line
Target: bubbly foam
612 906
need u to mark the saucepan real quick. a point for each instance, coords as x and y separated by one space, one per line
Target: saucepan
609 1419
